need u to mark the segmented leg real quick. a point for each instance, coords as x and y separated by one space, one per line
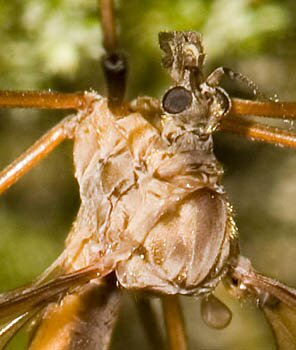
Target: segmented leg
108 25
258 132
42 100
268 109
39 150
114 61
174 323
150 323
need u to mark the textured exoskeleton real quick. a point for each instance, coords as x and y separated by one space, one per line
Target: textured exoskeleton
153 216
152 196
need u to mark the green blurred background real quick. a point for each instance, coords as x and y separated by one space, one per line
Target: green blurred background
56 44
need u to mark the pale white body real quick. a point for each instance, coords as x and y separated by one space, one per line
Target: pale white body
158 210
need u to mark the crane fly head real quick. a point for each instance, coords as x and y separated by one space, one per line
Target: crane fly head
191 104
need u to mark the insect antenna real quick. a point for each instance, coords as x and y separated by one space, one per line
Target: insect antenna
247 81
216 76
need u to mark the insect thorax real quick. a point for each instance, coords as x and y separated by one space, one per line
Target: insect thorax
149 206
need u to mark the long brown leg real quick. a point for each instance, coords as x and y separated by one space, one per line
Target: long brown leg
42 100
113 62
174 323
39 150
150 323
269 109
258 132
108 25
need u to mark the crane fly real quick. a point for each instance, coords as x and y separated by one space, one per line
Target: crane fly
154 216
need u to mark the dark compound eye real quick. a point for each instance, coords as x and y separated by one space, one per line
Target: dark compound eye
176 100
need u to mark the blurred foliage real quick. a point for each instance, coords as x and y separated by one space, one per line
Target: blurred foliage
56 44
